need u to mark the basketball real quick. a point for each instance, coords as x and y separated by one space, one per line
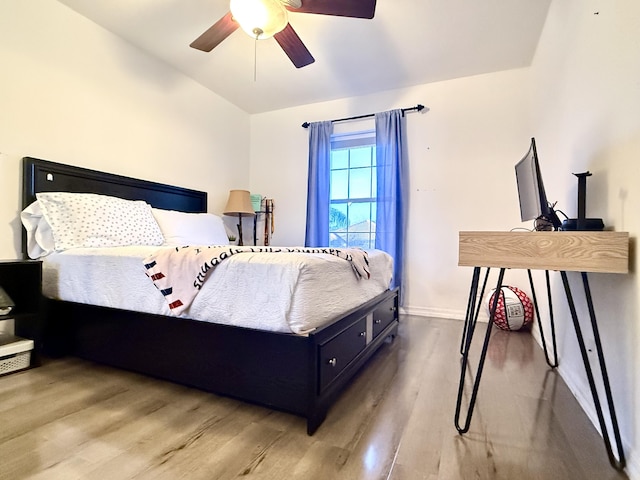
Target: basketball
514 310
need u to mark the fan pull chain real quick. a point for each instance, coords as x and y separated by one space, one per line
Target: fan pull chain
258 32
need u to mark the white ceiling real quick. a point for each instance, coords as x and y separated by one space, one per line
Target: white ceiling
408 42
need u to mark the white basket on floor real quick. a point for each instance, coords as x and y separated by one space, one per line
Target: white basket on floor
15 353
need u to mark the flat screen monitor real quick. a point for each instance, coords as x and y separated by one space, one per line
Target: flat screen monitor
533 199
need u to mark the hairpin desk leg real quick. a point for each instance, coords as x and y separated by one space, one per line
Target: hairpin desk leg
483 354
473 309
554 363
620 462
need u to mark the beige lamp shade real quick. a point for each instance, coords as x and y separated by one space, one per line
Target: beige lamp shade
239 203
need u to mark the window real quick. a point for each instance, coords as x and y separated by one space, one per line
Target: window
352 209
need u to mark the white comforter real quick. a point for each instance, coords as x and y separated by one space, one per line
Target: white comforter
292 292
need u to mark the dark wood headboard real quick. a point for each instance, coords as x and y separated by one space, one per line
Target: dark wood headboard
45 176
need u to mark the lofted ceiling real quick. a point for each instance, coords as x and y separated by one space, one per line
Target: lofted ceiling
407 43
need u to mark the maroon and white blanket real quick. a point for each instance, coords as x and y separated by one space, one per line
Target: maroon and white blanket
180 272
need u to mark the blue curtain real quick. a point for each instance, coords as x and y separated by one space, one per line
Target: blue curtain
317 231
392 190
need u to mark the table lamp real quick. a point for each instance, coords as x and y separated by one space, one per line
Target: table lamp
238 204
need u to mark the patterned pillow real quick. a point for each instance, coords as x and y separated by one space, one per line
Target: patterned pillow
87 220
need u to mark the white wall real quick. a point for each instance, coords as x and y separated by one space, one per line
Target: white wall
585 100
72 92
461 153
580 100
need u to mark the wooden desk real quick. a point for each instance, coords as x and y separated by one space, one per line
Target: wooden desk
600 252
603 252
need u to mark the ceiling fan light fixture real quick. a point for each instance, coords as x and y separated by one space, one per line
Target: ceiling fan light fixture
260 18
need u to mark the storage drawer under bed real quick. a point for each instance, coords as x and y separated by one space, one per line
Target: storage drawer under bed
384 315
336 354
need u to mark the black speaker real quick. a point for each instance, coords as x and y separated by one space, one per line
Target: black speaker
589 224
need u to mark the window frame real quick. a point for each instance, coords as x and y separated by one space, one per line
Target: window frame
346 235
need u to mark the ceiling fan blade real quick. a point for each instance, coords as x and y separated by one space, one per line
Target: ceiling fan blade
215 34
290 42
340 8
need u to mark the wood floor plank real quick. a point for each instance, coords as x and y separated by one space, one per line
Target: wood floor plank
71 419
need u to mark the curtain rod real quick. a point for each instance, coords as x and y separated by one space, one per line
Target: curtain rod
417 108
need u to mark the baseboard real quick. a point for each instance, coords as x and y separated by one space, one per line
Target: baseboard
585 400
450 314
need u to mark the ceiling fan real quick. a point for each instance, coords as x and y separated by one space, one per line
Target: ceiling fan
266 18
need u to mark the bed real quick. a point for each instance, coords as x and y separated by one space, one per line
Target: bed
300 373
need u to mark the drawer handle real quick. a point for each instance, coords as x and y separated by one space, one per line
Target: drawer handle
393 309
362 334
333 362
378 321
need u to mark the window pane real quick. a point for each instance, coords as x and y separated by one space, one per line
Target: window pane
339 184
360 157
360 183
338 217
339 159
359 240
374 182
359 217
374 211
338 240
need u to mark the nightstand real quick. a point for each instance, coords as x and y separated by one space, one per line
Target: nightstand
22 281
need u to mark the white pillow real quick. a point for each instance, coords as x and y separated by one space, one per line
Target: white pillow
85 220
183 229
39 235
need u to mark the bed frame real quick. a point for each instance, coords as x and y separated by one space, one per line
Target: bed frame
302 375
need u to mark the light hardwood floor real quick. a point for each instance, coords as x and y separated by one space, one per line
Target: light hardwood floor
72 419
